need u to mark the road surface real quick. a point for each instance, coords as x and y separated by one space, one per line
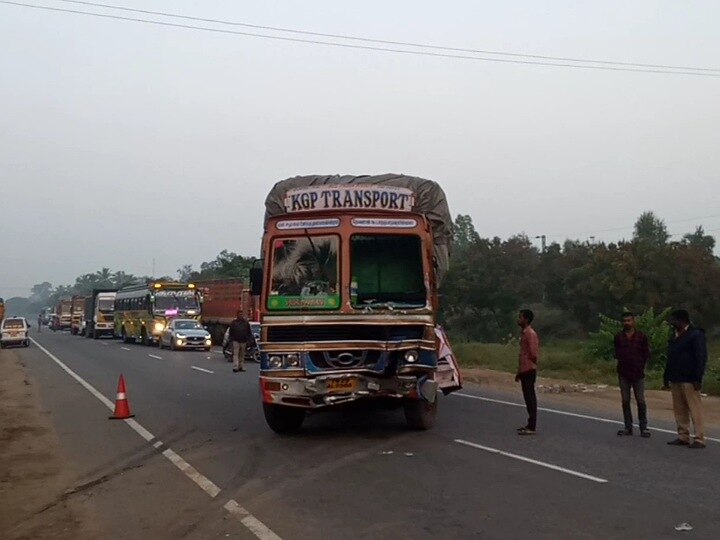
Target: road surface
198 461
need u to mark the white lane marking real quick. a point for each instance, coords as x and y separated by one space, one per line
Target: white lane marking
155 356
124 348
201 369
205 483
104 344
255 526
533 461
567 413
217 352
90 388
201 480
157 444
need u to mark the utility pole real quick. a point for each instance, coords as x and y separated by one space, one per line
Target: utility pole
543 241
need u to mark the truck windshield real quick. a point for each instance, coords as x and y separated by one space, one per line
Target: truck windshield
304 273
106 305
388 271
168 300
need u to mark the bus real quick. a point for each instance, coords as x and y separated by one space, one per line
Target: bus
143 311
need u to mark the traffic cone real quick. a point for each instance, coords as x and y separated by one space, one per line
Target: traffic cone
122 406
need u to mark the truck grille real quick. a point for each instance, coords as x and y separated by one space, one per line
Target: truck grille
345 332
345 359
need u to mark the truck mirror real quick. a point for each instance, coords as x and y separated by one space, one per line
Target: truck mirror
256 281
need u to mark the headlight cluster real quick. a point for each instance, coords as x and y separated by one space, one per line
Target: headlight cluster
280 361
159 327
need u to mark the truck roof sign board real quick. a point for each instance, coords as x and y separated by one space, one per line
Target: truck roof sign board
350 197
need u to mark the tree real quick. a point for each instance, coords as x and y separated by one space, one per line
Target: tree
464 233
700 241
651 230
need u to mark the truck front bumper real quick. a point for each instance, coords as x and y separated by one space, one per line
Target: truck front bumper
327 390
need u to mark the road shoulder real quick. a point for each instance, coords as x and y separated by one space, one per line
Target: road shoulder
34 475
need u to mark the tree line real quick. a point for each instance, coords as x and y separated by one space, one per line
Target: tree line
568 285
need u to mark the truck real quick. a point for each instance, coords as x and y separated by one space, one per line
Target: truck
222 299
100 313
63 315
77 310
143 311
348 297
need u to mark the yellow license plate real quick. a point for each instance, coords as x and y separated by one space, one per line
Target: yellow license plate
341 385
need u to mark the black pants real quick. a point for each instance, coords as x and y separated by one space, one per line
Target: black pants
638 388
527 380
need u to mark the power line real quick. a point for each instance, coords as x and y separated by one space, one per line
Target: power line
389 42
359 47
630 227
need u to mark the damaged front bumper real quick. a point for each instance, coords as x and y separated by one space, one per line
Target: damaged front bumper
328 390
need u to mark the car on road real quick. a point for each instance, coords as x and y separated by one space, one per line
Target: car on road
185 334
14 332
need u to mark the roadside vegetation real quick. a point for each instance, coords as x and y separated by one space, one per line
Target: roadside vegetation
569 360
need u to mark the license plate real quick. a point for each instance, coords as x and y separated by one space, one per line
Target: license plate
341 385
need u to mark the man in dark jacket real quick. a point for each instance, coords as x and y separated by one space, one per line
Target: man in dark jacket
632 353
240 334
686 361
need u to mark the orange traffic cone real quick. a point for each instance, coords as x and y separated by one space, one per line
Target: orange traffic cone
122 406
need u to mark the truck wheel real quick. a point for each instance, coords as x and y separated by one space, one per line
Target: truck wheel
420 414
282 419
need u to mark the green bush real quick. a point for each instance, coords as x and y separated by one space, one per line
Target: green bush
601 346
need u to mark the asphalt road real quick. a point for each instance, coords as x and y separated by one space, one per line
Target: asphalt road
352 474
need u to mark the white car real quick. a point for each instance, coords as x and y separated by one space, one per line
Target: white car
14 331
185 334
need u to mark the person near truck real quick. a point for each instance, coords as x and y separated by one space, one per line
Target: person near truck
632 352
40 321
686 361
527 368
240 335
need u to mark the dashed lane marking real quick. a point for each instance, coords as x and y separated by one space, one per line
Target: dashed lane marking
253 524
155 356
124 348
533 461
201 369
247 519
566 413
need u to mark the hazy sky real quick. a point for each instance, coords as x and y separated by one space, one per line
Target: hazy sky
122 142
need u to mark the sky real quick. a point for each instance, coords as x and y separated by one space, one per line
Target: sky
133 146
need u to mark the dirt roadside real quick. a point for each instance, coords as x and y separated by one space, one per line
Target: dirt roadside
34 476
604 399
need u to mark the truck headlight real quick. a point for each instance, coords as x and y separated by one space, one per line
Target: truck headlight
208 341
292 360
411 356
159 327
276 362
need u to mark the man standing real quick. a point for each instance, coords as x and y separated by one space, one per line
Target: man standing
527 368
40 321
686 361
632 353
240 334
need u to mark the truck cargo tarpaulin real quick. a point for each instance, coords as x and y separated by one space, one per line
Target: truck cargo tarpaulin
388 192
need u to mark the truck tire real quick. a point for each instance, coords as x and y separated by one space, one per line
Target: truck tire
282 419
420 414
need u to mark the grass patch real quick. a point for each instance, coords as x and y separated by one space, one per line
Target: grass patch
567 360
